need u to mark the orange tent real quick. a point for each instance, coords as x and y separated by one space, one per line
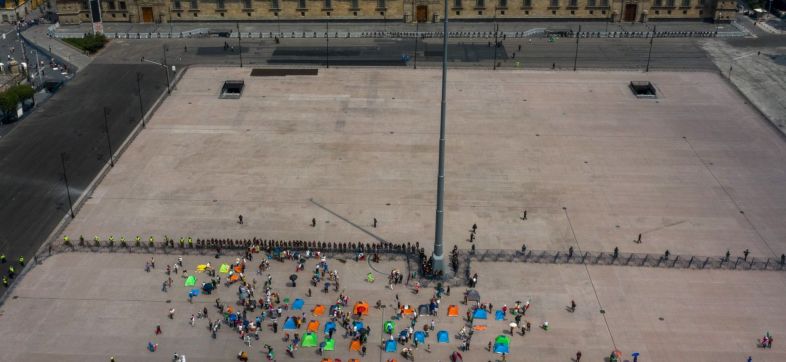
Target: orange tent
361 307
234 278
354 360
238 268
479 327
354 346
407 310
452 311
318 310
327 360
313 326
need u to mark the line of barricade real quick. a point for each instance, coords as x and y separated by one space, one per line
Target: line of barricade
628 259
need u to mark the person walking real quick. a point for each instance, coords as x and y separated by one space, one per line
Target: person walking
375 222
578 356
172 313
158 330
744 253
313 222
572 306
240 219
474 228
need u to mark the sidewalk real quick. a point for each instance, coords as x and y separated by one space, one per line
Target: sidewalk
37 35
397 26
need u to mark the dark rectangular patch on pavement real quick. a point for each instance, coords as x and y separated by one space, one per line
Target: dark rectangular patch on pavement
259 72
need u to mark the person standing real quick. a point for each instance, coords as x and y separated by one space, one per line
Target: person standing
375 222
572 306
240 219
578 356
313 222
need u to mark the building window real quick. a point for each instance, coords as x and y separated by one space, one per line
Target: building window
110 5
573 3
355 5
274 5
177 5
591 4
685 3
604 4
194 4
381 4
301 4
701 3
503 4
221 4
527 3
554 3
658 3
248 4
480 4
122 5
328 5
457 4
671 3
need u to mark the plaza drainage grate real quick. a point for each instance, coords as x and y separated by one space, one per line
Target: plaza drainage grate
643 89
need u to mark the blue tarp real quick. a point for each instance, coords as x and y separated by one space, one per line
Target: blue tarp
232 317
328 326
290 324
297 304
480 314
390 346
499 315
501 348
420 336
194 292
358 324
442 337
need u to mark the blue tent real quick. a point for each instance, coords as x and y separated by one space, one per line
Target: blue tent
501 348
442 337
403 334
390 346
480 314
290 324
328 326
297 304
499 315
232 317
420 336
358 324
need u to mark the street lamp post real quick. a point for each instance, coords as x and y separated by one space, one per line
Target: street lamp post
239 46
438 255
496 30
166 71
327 44
576 56
649 54
65 179
139 95
417 35
108 141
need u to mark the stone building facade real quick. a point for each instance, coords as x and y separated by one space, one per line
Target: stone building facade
163 11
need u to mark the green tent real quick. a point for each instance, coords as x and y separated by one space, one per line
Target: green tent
309 340
502 339
191 281
224 268
330 344
389 327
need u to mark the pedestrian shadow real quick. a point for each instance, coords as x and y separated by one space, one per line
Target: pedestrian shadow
378 238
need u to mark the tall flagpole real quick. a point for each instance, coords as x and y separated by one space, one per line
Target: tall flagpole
438 256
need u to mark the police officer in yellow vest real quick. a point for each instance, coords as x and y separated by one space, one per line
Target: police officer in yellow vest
22 260
2 258
5 281
65 239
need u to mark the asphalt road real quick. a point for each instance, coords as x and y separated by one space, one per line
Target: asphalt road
667 54
32 189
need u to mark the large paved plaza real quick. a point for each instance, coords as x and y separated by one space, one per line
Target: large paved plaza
350 145
696 171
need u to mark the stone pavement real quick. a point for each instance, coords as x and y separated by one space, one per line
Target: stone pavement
90 306
695 171
758 69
